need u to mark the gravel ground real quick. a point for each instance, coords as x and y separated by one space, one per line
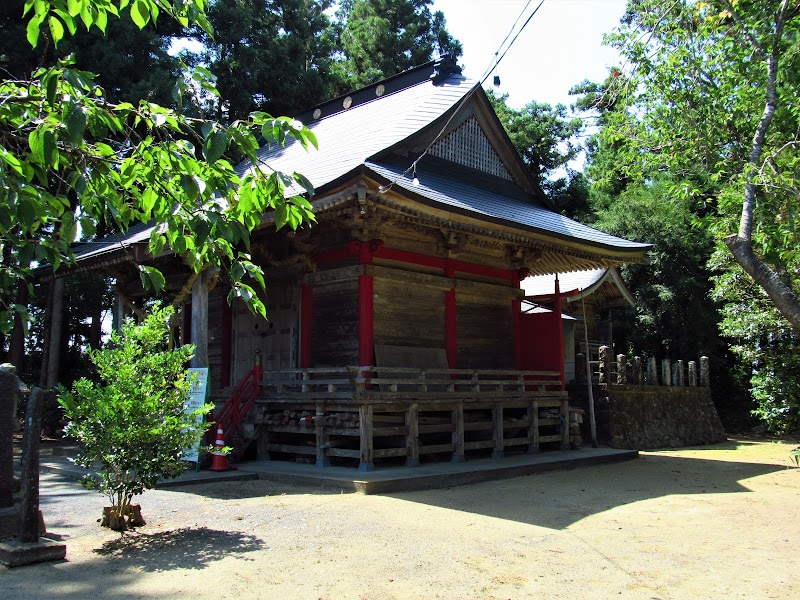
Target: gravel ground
713 522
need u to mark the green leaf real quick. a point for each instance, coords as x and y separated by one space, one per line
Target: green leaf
101 20
33 30
56 29
215 146
152 278
140 15
74 7
76 124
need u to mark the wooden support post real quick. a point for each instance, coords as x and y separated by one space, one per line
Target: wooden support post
681 375
559 334
54 339
622 369
666 372
565 424
533 426
262 444
365 321
322 435
365 417
516 315
306 304
499 442
117 311
412 439
692 373
458 433
258 374
705 373
652 371
226 343
636 374
451 329
200 321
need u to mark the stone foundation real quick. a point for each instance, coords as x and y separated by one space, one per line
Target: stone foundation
648 417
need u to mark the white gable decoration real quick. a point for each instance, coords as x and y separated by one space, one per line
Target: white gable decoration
468 145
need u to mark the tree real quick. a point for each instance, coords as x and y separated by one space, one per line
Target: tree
133 426
268 56
544 137
132 63
70 159
716 83
379 38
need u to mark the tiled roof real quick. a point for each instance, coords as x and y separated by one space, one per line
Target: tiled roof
349 137
504 208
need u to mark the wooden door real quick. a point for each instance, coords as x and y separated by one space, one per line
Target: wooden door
276 337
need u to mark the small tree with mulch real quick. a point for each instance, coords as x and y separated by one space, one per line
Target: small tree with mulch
132 423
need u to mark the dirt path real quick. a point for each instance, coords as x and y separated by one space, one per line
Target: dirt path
718 522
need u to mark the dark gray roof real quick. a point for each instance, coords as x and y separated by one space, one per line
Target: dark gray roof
136 234
350 137
470 200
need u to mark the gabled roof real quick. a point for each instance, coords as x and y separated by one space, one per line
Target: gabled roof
578 285
379 132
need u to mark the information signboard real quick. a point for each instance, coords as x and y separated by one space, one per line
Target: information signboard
197 398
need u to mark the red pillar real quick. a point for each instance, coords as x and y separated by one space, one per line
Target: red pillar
306 302
559 332
227 342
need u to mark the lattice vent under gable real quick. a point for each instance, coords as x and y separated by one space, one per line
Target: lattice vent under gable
467 145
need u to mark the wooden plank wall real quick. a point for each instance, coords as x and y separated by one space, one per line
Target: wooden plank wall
215 300
485 330
408 315
334 326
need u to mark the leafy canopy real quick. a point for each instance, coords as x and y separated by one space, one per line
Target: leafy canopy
70 159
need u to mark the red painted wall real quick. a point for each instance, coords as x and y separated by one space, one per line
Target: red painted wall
540 343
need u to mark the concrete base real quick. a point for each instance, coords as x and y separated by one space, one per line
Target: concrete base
17 554
9 522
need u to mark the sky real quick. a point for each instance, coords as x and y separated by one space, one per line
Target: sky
560 47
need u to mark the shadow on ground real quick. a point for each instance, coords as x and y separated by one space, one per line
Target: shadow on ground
557 500
187 548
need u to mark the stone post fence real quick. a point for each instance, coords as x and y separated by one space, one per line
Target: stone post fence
629 371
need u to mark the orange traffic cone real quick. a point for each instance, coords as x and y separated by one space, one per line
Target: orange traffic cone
220 460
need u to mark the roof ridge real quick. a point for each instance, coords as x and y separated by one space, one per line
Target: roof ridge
436 71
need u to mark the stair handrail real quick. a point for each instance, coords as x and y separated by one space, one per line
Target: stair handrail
236 408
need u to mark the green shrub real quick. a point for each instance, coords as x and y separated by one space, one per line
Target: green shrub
132 424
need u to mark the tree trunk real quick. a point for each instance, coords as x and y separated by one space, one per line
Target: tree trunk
741 245
782 296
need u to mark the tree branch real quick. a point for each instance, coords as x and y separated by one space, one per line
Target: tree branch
779 292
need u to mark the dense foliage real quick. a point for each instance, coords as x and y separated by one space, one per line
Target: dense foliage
705 117
132 425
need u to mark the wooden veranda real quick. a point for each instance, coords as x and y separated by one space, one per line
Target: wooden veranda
368 415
